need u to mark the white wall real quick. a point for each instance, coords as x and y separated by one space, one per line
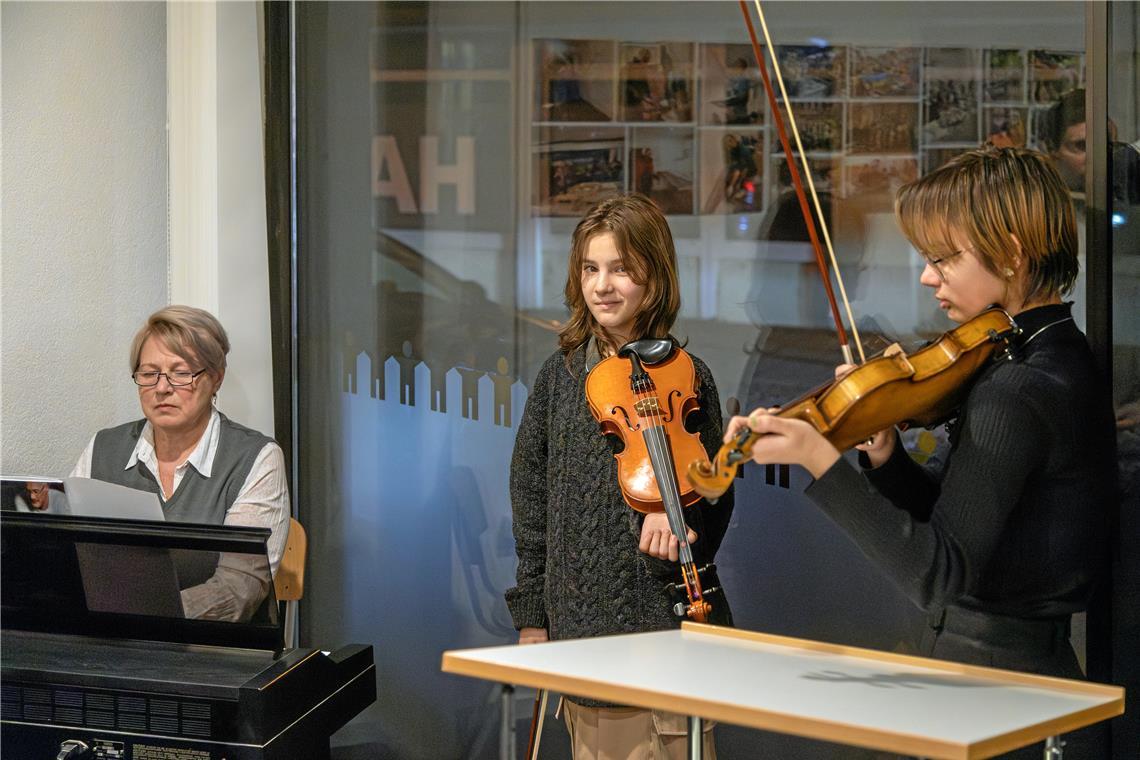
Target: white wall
243 262
108 216
83 249
218 241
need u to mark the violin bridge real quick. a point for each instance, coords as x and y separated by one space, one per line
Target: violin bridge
647 407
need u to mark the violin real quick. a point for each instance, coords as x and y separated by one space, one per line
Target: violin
643 395
922 388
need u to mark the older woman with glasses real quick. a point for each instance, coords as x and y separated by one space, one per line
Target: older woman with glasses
204 467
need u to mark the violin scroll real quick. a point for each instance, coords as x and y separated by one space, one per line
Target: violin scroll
712 479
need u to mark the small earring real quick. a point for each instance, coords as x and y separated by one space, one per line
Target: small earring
1008 273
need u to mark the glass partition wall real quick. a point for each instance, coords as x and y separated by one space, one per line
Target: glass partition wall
1118 169
445 152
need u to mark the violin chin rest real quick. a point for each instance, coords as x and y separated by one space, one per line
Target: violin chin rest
649 350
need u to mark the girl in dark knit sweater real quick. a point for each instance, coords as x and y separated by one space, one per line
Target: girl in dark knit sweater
588 564
1007 541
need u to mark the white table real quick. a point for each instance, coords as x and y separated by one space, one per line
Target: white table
862 697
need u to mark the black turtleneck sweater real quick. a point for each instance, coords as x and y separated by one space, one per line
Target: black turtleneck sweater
1016 522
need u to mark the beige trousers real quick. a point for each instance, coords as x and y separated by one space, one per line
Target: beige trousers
630 733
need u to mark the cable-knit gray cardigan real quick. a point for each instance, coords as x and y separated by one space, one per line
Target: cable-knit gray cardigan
580 572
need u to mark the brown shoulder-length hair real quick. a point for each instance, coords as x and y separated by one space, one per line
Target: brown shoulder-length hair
645 243
988 195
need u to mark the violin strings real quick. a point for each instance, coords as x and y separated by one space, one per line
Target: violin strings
657 443
811 182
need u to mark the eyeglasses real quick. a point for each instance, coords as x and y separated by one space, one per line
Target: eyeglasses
939 262
178 378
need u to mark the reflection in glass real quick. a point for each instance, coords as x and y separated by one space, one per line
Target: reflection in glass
574 82
422 329
1124 216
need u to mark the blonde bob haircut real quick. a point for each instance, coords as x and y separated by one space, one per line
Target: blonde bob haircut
642 238
990 196
193 334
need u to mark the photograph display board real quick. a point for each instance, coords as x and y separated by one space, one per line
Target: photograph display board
689 124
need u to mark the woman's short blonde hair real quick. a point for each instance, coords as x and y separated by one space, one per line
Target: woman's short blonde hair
990 195
193 334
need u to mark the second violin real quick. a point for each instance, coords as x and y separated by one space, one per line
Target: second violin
647 411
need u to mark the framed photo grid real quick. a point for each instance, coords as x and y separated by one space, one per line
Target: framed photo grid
689 124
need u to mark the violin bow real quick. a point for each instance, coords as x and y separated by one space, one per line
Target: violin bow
536 719
797 183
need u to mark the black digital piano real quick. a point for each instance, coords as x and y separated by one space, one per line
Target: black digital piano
110 648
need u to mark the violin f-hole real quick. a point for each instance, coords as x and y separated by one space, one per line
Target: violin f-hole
671 412
625 415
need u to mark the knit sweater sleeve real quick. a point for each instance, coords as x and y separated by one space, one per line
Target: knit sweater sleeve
936 562
528 488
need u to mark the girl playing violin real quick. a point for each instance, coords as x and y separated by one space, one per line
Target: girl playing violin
1003 545
588 564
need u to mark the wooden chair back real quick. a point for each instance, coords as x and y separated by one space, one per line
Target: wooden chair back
289 583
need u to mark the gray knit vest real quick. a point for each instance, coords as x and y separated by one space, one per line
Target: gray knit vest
197 499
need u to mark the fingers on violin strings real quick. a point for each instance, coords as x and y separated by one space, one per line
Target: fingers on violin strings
764 421
757 415
734 426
